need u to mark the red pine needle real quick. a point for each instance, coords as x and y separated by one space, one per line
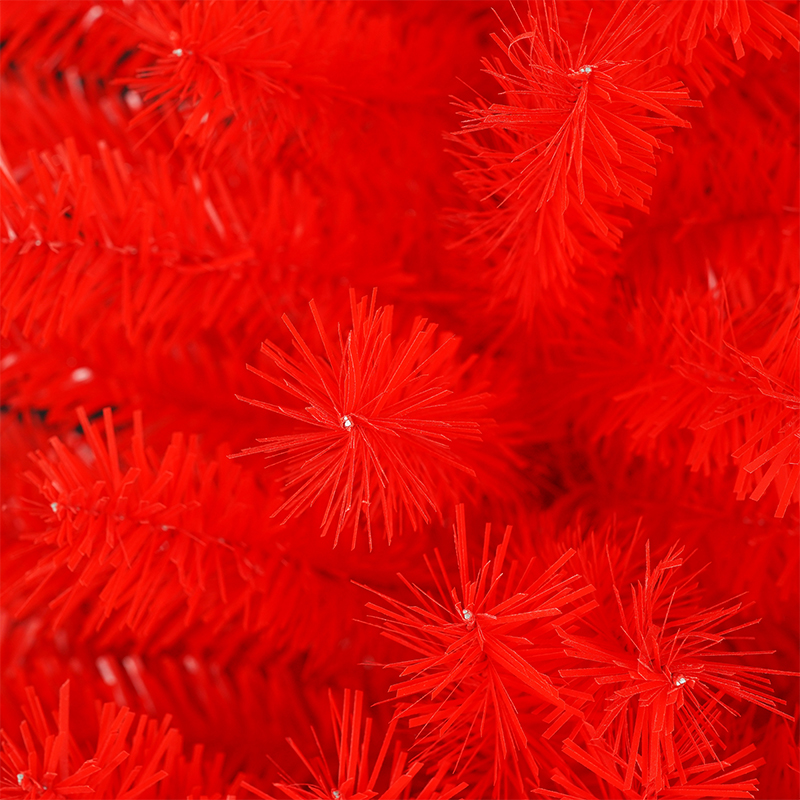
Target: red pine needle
355 775
477 643
382 415
575 129
662 683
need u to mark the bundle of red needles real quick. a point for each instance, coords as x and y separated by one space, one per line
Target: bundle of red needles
400 399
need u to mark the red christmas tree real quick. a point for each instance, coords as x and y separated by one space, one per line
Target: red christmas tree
529 267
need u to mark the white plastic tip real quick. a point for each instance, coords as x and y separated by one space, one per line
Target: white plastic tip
54 506
347 423
177 52
336 794
680 680
466 614
20 776
82 374
585 70
134 100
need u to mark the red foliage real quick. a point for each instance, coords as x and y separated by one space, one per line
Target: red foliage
132 531
617 261
662 678
766 401
384 416
574 134
43 37
714 780
759 24
354 777
223 69
130 757
479 645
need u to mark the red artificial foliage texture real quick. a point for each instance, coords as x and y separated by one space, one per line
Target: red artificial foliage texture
519 266
384 419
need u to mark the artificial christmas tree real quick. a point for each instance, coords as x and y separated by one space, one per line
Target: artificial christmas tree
511 295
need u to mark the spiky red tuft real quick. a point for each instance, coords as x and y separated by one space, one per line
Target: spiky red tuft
574 134
479 644
662 679
384 415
